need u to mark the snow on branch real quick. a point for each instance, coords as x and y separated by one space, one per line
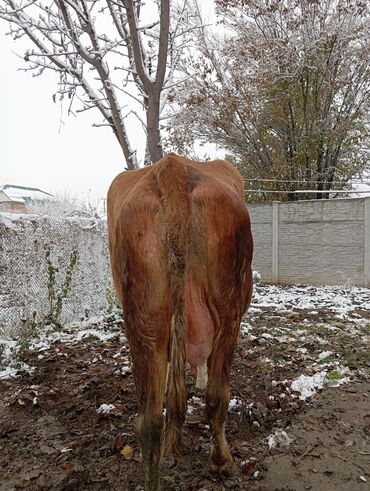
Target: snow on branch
109 54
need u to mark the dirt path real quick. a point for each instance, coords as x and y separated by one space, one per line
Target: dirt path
331 449
54 433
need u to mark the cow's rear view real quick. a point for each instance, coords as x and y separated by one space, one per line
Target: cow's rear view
181 251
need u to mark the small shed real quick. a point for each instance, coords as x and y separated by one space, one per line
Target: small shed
14 199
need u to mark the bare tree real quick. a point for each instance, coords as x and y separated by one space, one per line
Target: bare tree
286 91
107 58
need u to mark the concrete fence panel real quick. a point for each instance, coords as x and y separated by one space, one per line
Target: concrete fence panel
315 242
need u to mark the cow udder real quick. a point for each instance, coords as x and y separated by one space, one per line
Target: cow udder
198 326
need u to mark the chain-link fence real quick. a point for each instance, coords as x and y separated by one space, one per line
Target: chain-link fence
30 277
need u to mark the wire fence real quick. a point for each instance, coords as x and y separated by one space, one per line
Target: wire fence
309 191
332 189
29 279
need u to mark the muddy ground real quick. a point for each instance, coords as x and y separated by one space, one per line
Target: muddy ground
53 437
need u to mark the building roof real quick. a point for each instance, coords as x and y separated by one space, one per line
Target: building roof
24 194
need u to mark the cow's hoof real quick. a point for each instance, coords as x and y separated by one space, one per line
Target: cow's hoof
222 464
227 469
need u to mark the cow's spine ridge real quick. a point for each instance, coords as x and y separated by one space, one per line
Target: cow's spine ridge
172 178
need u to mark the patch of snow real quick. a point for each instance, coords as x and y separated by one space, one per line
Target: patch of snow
302 350
320 340
266 359
10 365
8 220
331 328
256 277
235 404
337 383
265 335
23 194
254 310
301 332
245 327
339 299
106 408
279 437
308 385
8 372
274 383
80 334
193 403
325 354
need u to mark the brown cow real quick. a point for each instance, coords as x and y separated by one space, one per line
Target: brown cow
181 251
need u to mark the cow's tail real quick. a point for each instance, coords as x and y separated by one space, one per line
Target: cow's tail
173 184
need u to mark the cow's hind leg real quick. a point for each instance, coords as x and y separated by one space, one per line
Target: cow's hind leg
150 422
217 404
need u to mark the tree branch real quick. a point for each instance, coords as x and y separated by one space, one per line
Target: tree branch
136 45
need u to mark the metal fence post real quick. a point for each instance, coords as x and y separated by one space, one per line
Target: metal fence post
275 242
367 242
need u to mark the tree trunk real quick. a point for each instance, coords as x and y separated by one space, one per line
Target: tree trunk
152 122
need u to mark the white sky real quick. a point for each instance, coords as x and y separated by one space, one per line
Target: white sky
35 149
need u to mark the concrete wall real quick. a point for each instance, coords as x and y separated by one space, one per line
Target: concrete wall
316 241
261 217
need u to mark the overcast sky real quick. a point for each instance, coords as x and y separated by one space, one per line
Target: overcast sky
36 150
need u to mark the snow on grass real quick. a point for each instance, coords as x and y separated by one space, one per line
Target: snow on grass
342 300
9 371
246 329
11 349
10 363
325 354
338 381
303 351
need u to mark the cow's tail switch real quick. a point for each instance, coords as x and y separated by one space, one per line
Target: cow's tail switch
173 183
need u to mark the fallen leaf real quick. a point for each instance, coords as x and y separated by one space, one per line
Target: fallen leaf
120 409
127 452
